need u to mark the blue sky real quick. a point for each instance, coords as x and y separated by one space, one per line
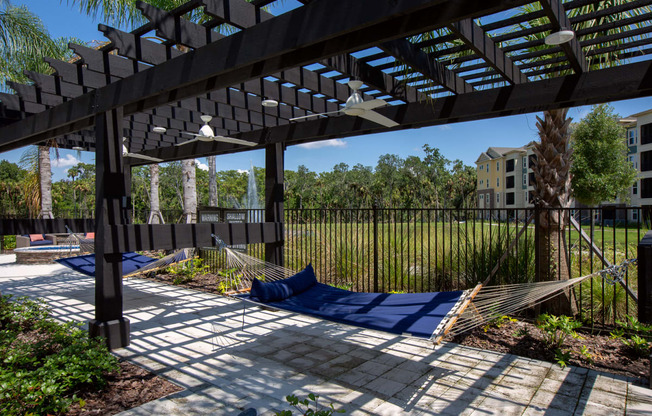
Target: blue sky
464 141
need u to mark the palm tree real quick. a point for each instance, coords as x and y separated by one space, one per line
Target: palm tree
188 175
155 216
552 168
24 42
212 182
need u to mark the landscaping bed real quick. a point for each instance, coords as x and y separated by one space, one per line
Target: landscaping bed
49 367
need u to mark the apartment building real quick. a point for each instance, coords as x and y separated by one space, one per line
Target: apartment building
638 133
505 177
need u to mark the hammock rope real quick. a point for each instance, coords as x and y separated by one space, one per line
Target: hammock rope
480 306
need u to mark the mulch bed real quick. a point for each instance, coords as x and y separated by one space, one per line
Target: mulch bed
525 339
132 386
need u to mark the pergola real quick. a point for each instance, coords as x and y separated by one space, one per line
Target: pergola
434 61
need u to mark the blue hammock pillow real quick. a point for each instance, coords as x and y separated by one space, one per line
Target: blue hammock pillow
302 281
270 292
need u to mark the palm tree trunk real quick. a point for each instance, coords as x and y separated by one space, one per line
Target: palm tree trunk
552 196
189 190
212 182
45 179
155 216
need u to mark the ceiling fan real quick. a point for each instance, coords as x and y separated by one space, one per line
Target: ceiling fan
356 106
206 134
126 153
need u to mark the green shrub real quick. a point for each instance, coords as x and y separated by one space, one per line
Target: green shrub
556 329
43 361
305 406
186 271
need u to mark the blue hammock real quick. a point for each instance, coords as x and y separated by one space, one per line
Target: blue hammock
416 314
131 262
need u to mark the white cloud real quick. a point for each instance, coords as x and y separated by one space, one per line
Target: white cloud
202 166
64 162
243 171
445 127
325 143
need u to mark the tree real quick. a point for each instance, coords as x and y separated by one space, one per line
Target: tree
212 182
188 176
600 170
155 215
552 168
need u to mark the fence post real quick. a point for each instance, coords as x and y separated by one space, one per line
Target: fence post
375 214
645 279
537 235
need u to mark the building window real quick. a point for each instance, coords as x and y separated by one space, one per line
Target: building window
525 197
497 166
646 161
530 178
481 182
497 182
509 165
631 136
487 183
634 215
497 198
646 188
487 167
531 161
509 182
524 162
635 188
509 198
525 179
646 133
481 197
481 167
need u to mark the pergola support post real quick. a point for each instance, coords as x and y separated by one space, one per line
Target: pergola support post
111 208
274 166
645 279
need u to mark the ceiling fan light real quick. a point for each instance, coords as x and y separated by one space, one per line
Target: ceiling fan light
206 131
206 119
159 129
562 36
269 103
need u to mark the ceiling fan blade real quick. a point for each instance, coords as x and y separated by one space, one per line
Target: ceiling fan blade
315 115
371 104
144 157
233 140
188 142
378 118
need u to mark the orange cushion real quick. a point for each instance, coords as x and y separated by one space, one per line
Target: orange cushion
90 235
36 237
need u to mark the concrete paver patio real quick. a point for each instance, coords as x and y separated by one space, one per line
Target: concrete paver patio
196 340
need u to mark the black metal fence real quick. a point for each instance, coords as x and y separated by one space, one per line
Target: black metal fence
418 250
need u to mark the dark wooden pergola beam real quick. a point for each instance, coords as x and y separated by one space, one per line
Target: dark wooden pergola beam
556 13
478 40
373 77
620 83
293 39
408 53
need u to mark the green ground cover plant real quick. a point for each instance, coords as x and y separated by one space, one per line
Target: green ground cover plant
45 362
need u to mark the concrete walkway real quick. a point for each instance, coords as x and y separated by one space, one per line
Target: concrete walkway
195 340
